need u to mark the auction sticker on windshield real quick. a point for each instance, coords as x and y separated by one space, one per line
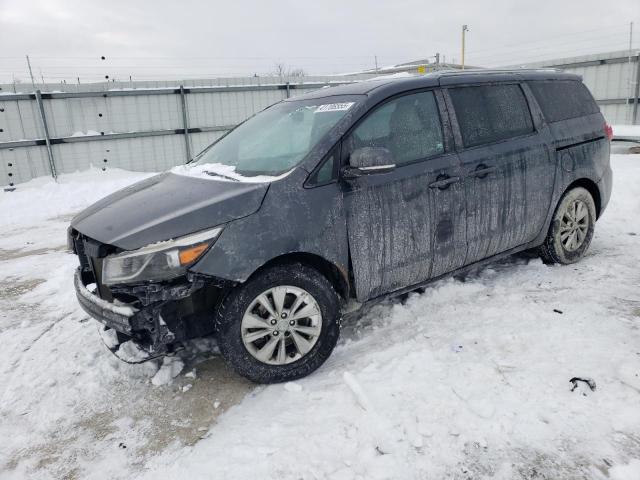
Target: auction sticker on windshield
334 107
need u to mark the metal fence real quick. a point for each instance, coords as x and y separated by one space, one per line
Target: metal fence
612 77
140 127
154 125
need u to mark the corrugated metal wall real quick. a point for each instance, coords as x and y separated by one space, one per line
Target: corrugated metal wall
612 79
101 112
84 128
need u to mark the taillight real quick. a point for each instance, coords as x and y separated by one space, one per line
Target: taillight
608 131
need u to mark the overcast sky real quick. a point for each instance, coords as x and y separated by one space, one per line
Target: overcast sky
177 39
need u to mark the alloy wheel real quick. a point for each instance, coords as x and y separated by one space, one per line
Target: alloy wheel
281 325
574 225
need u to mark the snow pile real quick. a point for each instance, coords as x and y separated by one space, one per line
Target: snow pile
470 379
43 198
219 171
392 76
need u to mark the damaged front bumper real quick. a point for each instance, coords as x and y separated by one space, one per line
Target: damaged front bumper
159 316
122 318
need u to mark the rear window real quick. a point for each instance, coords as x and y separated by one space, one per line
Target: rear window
563 99
490 113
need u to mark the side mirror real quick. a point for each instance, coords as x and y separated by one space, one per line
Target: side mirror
368 161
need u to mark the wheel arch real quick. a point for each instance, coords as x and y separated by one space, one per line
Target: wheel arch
590 186
336 275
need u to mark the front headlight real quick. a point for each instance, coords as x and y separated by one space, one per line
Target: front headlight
159 261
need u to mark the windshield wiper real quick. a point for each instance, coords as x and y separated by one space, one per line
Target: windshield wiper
214 174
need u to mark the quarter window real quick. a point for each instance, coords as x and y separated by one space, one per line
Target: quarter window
408 126
325 173
563 99
490 113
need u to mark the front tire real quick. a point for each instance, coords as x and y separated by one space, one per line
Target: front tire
571 229
281 325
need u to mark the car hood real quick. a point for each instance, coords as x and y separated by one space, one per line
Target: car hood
167 206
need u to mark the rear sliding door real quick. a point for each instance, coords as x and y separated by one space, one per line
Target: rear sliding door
507 167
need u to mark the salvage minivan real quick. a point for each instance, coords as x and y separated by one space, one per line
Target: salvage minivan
344 196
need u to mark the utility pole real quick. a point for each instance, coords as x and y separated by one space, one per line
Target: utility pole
33 83
376 60
465 28
630 76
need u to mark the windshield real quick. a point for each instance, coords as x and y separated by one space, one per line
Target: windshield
276 139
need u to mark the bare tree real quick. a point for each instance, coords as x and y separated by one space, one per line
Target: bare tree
297 72
284 72
280 70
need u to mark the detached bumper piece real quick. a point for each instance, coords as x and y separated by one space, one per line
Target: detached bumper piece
156 316
113 316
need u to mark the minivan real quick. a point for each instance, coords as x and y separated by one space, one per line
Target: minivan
340 198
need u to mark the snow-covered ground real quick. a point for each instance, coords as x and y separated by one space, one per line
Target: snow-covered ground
469 379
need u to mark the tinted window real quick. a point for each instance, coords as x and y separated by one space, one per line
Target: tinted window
490 113
325 173
560 100
409 126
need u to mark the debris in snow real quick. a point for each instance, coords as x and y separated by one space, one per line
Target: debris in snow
557 311
109 336
292 387
588 381
131 352
456 348
171 368
186 387
216 404
122 445
191 374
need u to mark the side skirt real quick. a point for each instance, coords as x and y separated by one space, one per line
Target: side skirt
365 306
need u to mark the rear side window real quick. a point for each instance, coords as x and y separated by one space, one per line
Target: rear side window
408 126
489 113
563 99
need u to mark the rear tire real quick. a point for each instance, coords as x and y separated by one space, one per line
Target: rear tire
571 228
281 325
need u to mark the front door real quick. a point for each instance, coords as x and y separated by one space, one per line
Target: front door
408 225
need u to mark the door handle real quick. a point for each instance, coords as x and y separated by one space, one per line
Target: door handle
443 182
482 171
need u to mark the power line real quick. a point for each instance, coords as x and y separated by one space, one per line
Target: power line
556 37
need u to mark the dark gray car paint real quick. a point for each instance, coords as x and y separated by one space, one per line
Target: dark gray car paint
333 223
400 230
506 207
167 206
293 219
